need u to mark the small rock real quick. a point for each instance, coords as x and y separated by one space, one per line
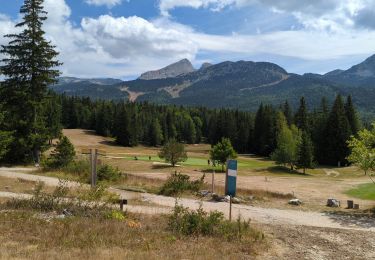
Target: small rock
333 203
251 197
62 216
204 193
67 213
236 200
227 198
295 202
218 198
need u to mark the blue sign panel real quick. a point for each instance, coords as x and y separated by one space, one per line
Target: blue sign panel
231 180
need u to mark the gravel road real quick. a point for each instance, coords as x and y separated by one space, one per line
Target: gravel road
257 214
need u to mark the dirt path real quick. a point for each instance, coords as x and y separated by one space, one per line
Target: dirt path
261 215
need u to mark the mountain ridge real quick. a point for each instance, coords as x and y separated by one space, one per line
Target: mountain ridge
240 84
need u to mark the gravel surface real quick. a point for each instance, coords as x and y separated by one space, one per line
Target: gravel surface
257 214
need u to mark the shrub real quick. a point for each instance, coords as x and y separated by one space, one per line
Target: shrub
177 183
94 202
108 173
79 168
199 222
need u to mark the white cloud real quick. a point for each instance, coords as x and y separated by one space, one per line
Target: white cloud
127 46
330 15
108 3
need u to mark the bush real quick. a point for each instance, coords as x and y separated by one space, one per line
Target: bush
108 173
95 202
199 222
79 168
63 154
178 183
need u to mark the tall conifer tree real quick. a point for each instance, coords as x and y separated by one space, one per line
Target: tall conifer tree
305 152
337 133
352 116
301 117
287 113
28 70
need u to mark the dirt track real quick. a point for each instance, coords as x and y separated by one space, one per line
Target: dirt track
257 214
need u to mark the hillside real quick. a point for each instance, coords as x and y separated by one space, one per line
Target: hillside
242 84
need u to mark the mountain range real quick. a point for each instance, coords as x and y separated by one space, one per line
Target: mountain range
241 84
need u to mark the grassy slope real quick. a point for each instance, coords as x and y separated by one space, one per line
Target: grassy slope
363 191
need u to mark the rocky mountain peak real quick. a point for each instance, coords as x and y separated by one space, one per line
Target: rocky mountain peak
205 65
181 67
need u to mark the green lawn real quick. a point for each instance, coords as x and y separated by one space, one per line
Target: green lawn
363 191
243 163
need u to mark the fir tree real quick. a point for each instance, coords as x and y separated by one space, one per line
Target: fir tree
301 117
352 116
287 113
337 133
155 133
6 137
305 152
28 69
122 127
63 154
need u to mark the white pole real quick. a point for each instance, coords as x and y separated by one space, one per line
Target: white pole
213 181
94 158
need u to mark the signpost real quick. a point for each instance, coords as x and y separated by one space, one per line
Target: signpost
231 178
231 183
93 159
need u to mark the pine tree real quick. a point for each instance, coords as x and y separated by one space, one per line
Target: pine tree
305 152
6 137
301 117
198 129
63 154
288 113
27 67
155 133
122 126
337 133
318 131
352 116
53 119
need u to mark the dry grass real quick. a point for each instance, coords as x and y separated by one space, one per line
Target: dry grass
78 238
18 185
133 182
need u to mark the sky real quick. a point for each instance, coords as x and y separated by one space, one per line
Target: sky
124 38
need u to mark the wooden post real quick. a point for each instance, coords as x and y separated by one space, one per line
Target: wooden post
350 204
230 208
94 158
122 203
213 181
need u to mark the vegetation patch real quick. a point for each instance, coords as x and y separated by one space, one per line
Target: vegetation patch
363 191
201 223
94 202
178 183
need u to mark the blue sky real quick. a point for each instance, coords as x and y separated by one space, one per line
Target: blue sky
123 38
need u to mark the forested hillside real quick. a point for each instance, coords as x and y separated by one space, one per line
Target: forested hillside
328 127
